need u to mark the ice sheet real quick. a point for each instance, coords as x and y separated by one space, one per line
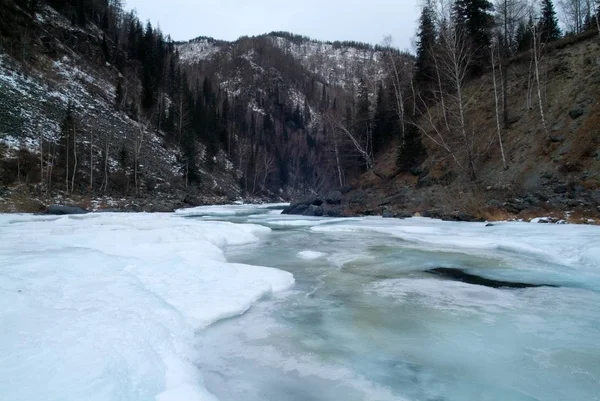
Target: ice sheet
105 307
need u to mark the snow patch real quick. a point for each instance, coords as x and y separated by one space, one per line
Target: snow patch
310 255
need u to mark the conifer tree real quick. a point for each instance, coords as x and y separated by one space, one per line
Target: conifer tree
523 36
474 16
426 36
381 129
410 152
548 25
119 95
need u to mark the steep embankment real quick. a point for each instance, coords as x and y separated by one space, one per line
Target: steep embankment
48 64
555 173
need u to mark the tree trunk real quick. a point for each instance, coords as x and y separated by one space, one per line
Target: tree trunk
41 156
106 156
68 150
537 79
504 68
497 110
337 159
74 160
51 167
91 161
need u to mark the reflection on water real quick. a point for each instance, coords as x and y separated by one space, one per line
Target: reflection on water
365 322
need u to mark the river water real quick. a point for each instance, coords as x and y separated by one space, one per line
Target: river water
365 321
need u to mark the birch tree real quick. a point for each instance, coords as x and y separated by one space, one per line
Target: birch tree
499 130
537 54
445 124
576 14
337 126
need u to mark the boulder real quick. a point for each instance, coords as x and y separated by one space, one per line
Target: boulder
425 182
561 189
61 210
576 113
299 206
419 171
298 210
192 200
403 215
463 217
432 214
516 206
387 214
359 198
313 211
334 198
494 203
334 212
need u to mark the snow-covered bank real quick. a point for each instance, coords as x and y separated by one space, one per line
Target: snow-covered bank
105 306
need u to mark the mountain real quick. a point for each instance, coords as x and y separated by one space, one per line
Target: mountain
101 110
290 85
97 106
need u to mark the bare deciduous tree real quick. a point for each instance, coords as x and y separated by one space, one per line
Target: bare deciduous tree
336 125
400 75
492 51
576 13
446 124
537 52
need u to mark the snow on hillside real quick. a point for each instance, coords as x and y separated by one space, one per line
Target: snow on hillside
197 50
338 66
106 306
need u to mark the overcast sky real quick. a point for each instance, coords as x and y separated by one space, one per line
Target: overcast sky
362 20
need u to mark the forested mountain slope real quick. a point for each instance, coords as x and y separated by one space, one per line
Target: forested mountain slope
289 99
97 105
83 112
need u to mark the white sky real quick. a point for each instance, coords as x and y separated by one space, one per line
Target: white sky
361 20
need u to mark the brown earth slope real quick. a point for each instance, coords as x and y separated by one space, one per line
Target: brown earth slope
554 174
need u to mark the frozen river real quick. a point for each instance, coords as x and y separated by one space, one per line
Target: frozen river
176 307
